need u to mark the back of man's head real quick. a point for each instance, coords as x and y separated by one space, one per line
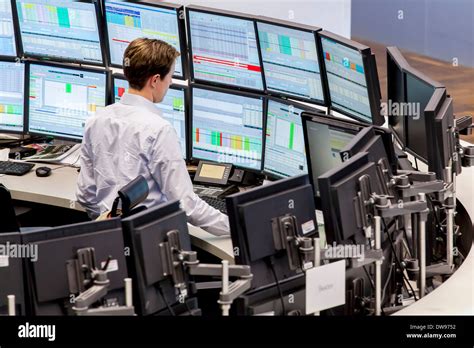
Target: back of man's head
144 58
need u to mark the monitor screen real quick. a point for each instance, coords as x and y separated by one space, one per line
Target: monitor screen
60 29
127 21
61 99
346 78
224 50
173 108
12 78
227 128
290 61
7 33
285 154
325 143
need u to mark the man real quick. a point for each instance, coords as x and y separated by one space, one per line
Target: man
131 138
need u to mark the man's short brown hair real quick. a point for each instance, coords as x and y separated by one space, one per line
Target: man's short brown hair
144 58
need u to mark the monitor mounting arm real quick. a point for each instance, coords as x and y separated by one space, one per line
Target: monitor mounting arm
177 263
92 285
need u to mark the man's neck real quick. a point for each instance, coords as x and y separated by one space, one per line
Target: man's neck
143 93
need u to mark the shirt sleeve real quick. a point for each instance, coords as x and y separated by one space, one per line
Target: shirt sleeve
86 187
169 170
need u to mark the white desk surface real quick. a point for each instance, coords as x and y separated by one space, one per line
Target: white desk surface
59 189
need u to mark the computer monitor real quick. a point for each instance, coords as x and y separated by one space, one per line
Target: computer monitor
7 30
377 142
51 277
129 20
223 48
11 272
324 138
290 59
173 107
62 97
254 216
62 30
12 96
144 232
284 154
351 77
419 90
339 187
396 94
440 137
227 127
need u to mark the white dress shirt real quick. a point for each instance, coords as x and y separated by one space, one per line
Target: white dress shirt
130 138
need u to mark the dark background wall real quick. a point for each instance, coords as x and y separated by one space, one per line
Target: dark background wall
442 29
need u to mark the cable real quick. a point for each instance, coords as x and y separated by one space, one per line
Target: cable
397 260
160 290
272 266
416 163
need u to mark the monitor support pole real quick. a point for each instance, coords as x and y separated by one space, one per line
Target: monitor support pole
11 305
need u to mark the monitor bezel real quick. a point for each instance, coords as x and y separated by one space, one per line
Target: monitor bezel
174 86
367 61
100 30
106 72
304 107
181 32
224 13
301 27
330 121
15 60
193 159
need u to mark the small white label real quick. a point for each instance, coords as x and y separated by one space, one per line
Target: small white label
325 287
4 261
307 227
112 267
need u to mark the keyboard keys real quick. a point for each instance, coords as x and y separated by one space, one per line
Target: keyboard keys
15 168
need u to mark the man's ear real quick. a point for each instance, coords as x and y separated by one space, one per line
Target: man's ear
155 78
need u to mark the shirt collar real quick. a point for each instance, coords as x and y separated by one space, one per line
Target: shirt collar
138 100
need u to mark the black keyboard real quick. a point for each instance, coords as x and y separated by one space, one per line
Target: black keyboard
15 168
216 203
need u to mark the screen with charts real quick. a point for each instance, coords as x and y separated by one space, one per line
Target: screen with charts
172 108
290 61
325 144
12 77
127 21
224 50
61 99
7 33
285 154
346 79
227 128
60 29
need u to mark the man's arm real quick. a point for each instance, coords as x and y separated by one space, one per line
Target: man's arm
169 170
86 187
